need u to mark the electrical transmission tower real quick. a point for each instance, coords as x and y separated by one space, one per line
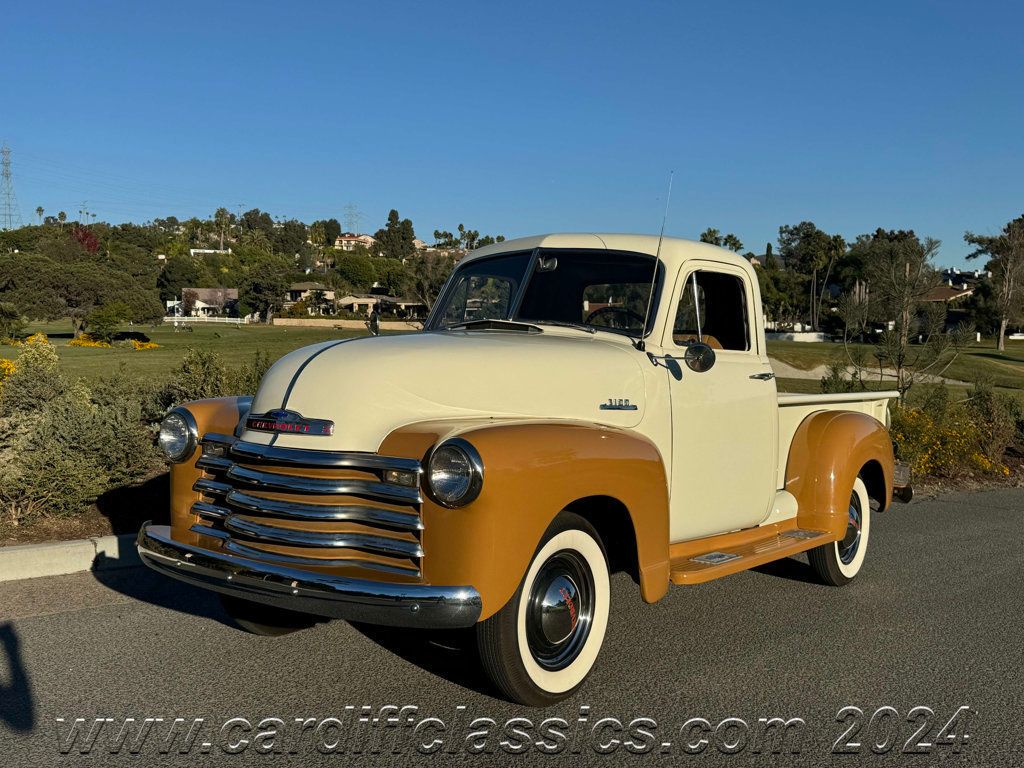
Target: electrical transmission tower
353 218
10 216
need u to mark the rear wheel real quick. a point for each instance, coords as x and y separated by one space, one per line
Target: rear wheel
541 646
266 620
838 562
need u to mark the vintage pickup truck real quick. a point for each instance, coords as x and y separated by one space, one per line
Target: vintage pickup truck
575 405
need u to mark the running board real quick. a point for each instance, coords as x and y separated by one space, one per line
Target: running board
694 562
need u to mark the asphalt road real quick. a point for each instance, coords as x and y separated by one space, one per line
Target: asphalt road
934 620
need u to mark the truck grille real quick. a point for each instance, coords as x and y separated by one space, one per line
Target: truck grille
315 508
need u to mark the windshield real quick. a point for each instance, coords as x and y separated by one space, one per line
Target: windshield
597 289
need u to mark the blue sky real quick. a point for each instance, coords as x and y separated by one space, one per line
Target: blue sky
523 117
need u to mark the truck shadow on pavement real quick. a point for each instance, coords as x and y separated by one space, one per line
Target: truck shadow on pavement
789 568
17 709
147 586
448 654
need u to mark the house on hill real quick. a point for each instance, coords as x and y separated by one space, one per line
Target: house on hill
204 302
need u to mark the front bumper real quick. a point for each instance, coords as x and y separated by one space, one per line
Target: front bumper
371 602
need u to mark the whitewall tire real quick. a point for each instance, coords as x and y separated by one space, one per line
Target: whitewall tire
543 643
838 562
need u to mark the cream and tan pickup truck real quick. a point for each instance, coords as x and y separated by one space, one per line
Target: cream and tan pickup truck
575 405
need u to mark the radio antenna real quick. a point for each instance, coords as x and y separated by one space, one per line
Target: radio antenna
654 275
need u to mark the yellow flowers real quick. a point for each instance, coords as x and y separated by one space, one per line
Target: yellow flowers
85 340
948 448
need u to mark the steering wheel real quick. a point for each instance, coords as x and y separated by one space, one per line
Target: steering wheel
618 317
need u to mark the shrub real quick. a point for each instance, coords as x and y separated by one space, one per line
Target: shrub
200 375
104 321
11 321
944 443
87 340
994 416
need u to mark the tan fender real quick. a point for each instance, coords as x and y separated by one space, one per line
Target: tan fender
532 471
221 415
828 451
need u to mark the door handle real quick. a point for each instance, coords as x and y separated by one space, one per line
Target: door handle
763 376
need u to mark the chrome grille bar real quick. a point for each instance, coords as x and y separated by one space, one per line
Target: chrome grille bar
299 457
322 485
347 512
367 542
211 487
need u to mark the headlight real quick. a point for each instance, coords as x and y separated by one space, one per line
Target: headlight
455 473
178 435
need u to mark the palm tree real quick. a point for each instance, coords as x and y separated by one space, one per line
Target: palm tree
39 213
62 217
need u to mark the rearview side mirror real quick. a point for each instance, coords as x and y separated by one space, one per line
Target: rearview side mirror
699 357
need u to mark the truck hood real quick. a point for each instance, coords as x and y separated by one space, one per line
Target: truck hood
370 386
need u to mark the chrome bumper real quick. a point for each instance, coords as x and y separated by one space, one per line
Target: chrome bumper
372 602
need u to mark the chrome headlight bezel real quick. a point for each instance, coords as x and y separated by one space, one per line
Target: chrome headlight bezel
464 449
191 431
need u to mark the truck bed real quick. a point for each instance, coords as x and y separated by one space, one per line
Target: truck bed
795 407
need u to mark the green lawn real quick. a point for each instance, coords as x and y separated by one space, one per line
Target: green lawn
235 345
1004 369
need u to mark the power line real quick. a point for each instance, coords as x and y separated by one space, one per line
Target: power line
10 218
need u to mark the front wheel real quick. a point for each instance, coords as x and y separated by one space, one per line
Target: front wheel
838 562
541 646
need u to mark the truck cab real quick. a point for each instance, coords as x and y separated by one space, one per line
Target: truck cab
575 405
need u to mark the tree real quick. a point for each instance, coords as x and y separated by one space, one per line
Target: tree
256 219
808 250
103 321
714 237
222 220
62 217
465 240
899 274
427 273
178 272
264 287
317 237
395 240
357 271
1005 254
11 321
332 228
188 302
39 213
289 238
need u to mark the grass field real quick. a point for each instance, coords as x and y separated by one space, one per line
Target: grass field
235 345
238 344
1004 369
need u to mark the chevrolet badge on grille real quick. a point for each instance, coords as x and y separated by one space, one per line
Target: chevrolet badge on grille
280 420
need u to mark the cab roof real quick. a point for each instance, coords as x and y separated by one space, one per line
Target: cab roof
674 250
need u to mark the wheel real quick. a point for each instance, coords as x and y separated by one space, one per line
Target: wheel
542 644
264 620
838 562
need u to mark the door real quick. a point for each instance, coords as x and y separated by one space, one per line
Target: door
724 419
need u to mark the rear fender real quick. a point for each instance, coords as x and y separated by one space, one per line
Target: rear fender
829 450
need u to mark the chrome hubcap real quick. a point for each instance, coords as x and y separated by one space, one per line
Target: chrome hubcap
560 610
851 541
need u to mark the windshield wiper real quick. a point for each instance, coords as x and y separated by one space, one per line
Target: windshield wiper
493 325
562 324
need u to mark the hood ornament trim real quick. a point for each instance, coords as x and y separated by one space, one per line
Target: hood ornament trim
283 421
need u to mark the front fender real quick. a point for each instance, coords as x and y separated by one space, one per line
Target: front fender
828 451
220 414
532 471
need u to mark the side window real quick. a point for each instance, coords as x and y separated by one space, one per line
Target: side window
718 312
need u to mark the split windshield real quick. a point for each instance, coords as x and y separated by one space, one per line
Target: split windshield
594 289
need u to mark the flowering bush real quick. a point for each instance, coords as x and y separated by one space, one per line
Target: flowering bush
140 345
944 444
85 340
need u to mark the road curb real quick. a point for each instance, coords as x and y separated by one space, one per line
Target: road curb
56 558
